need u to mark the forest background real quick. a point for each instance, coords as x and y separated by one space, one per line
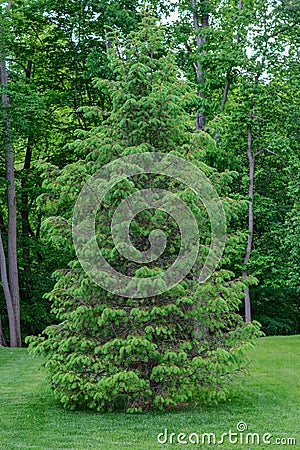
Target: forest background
242 58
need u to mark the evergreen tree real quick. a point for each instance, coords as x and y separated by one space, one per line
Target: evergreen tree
126 352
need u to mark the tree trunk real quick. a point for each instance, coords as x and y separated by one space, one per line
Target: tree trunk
226 90
13 279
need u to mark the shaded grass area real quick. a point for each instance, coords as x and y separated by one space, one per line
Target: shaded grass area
267 400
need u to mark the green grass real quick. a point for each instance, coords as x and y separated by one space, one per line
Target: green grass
268 400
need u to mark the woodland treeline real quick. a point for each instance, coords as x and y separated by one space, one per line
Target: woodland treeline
241 62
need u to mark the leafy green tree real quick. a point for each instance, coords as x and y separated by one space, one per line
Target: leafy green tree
114 352
246 52
53 50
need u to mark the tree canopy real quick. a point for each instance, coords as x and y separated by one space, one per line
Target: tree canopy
84 83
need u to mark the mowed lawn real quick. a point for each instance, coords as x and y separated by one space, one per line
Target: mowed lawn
267 401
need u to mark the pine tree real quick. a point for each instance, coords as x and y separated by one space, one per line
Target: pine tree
113 352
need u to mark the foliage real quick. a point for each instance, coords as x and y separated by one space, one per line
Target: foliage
54 49
248 57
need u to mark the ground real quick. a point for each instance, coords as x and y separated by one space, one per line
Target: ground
267 401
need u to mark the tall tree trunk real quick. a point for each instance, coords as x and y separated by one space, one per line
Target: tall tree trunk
13 279
200 74
251 161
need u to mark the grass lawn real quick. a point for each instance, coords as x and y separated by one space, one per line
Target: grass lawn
267 400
